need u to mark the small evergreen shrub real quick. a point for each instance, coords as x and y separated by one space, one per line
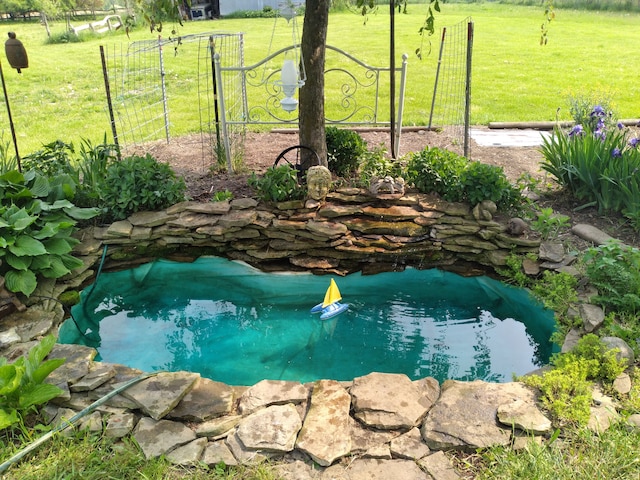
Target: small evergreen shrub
140 183
345 149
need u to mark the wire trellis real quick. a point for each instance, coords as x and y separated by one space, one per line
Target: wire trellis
140 96
452 90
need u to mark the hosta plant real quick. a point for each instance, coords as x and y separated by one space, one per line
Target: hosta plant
36 225
22 383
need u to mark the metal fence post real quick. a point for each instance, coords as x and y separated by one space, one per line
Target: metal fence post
164 89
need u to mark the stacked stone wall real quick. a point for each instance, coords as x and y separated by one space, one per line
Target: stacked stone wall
351 231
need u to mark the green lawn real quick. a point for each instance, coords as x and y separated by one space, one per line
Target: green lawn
61 95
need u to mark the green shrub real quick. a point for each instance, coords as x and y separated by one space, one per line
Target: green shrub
566 389
512 271
53 159
37 221
22 383
140 183
278 184
556 290
565 392
375 163
436 170
603 363
614 269
481 181
345 149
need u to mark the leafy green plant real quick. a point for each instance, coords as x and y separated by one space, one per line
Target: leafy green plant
221 196
36 225
91 170
548 224
22 383
512 272
436 170
140 183
53 159
603 363
590 109
565 391
557 290
376 163
614 269
277 184
481 181
345 148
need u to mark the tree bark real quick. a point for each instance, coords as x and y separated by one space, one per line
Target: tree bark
311 118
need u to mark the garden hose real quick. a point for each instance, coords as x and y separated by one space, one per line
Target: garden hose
68 423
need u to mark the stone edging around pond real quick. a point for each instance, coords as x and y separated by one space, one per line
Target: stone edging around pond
378 426
342 235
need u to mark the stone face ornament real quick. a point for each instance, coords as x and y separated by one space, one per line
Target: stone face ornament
318 182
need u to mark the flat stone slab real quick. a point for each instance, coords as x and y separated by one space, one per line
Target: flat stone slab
271 429
207 399
466 414
271 392
160 437
388 401
158 395
327 418
591 233
376 469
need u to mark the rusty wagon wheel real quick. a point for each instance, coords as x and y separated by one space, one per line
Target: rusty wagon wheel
293 156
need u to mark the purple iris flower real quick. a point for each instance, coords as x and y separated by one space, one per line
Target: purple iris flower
633 143
599 134
620 125
616 153
597 111
576 131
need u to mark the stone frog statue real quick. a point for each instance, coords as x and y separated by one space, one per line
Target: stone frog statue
318 182
387 184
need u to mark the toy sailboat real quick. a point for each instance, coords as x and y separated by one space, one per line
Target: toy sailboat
331 305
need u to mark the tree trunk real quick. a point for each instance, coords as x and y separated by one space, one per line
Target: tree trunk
314 39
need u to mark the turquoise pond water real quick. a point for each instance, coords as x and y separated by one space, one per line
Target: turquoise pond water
237 325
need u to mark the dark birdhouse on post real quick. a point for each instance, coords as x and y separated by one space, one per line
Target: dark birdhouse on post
16 53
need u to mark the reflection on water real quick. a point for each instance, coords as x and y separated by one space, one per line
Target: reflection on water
237 325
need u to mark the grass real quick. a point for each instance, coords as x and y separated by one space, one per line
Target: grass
583 455
61 95
85 455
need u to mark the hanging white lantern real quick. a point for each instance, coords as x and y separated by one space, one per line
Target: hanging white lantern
290 82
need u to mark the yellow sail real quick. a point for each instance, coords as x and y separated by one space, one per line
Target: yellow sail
332 295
